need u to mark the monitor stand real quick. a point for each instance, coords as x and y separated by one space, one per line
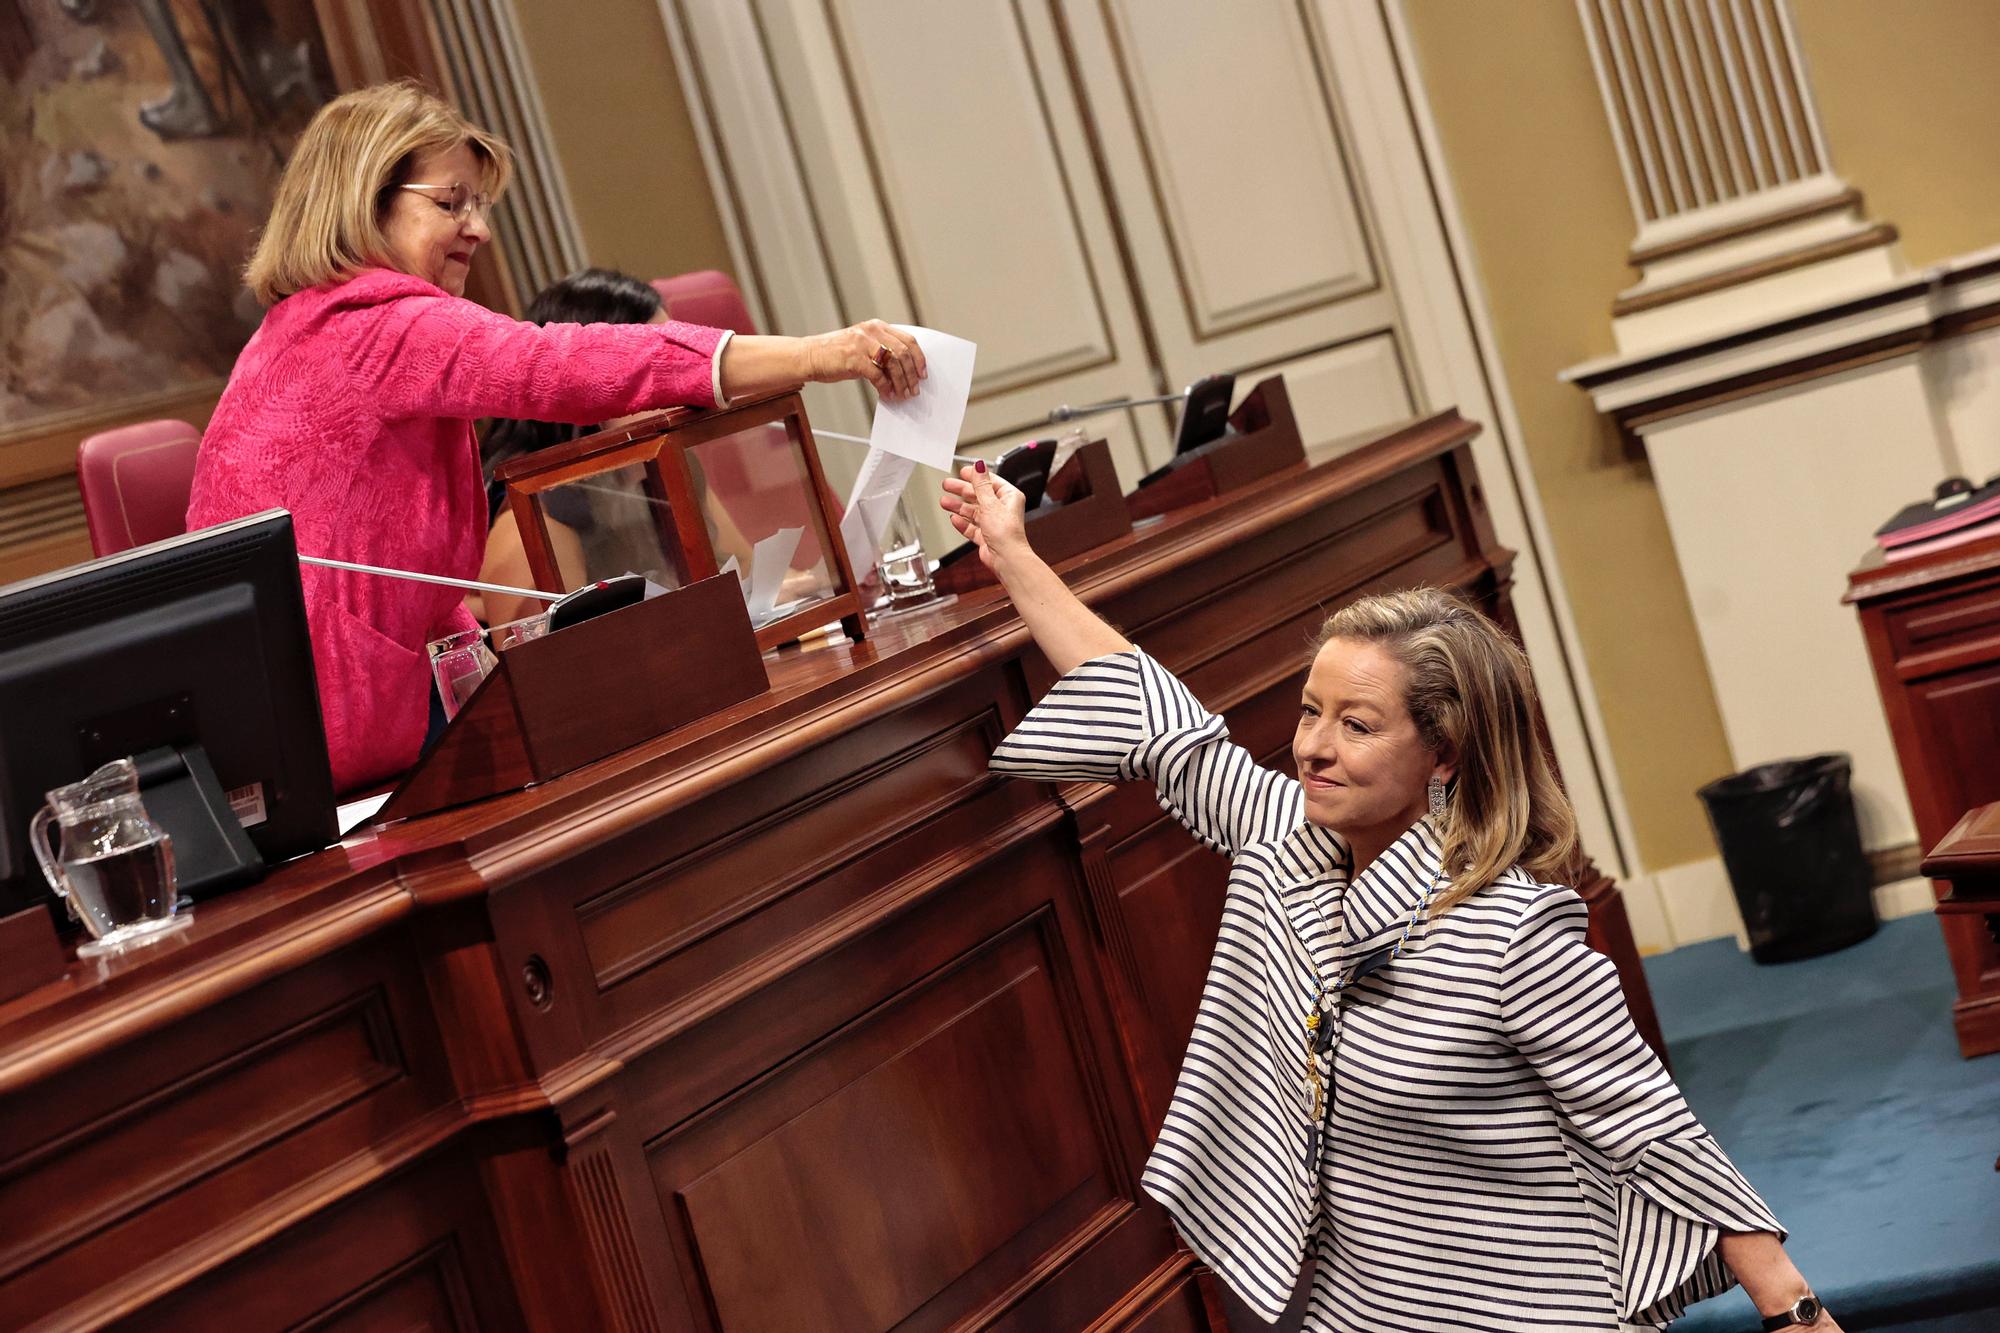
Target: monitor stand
212 853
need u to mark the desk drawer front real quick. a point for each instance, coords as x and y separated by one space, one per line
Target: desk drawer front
1963 623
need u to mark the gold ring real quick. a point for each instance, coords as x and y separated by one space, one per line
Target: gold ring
881 356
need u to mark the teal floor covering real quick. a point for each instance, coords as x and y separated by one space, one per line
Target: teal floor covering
1836 1086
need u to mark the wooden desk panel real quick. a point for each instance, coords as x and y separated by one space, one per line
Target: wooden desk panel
1932 625
796 1017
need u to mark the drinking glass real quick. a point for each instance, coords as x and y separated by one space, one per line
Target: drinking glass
458 663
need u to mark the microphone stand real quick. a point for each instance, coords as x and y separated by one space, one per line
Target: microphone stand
1066 413
470 585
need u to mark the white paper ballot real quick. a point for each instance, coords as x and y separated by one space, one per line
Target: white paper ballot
770 561
876 490
354 814
924 429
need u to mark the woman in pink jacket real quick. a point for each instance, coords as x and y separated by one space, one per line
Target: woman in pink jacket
353 404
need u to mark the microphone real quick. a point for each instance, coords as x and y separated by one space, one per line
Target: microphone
1066 413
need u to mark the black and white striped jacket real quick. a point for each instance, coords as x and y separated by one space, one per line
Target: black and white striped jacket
1503 1150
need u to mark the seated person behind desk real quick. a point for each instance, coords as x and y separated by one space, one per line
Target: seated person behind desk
352 404
592 296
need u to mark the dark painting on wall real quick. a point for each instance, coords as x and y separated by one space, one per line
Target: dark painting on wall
140 143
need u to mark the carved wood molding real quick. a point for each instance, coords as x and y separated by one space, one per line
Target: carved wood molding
590 1179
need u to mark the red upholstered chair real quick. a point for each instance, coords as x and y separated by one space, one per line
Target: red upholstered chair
135 482
706 296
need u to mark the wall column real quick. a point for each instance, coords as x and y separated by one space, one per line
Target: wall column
1740 213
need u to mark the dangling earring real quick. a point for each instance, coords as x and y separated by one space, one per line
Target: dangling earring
1436 791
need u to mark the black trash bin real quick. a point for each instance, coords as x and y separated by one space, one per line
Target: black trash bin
1793 849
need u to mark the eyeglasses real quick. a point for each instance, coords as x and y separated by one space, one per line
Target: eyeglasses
456 199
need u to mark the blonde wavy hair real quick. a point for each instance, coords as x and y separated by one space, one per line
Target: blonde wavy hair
1469 691
326 221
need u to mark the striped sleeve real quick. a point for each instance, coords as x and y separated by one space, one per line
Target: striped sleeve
1125 716
1677 1193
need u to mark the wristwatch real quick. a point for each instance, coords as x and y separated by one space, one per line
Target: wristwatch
1806 1310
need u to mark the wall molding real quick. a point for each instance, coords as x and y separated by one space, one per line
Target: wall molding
1891 318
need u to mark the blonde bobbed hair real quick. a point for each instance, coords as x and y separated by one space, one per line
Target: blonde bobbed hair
326 221
1469 691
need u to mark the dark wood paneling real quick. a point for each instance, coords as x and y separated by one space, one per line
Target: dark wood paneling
887 1165
831 806
208 1123
418 1253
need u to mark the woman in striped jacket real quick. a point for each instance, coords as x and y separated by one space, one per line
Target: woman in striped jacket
1406 1062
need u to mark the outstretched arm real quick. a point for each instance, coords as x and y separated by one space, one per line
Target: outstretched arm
756 364
1116 714
992 515
438 355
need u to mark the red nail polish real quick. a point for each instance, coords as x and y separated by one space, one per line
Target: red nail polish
979 465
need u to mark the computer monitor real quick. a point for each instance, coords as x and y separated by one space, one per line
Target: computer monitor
192 656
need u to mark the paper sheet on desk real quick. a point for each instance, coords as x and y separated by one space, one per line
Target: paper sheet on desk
876 490
770 561
924 429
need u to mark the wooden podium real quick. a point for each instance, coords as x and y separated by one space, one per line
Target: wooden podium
794 1017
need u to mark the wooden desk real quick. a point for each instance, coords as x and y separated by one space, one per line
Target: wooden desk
1967 862
795 1018
1933 630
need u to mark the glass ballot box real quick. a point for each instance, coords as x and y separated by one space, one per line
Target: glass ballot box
682 495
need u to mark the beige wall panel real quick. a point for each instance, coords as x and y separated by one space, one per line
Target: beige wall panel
1251 184
1220 131
939 171
1342 394
1790 669
621 129
958 133
1964 378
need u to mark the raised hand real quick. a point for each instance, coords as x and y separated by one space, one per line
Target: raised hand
986 510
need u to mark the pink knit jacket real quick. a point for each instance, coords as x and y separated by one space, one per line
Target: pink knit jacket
352 406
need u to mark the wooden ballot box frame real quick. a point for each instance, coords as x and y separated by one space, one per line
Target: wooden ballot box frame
659 443
1265 440
1091 512
584 693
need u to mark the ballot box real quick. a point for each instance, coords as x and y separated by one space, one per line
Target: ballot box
683 495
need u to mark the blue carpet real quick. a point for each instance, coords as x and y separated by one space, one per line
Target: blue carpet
1835 1085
